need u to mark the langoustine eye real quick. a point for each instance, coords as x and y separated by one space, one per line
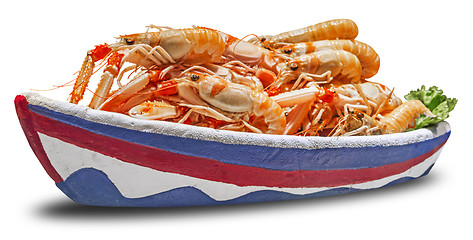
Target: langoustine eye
287 51
195 77
129 41
293 66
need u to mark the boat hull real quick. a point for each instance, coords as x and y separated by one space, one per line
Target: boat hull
108 159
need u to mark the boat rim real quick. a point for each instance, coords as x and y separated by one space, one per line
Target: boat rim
233 137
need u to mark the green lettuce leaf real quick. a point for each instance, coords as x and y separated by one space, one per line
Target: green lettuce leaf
434 100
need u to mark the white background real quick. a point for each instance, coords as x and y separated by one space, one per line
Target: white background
419 42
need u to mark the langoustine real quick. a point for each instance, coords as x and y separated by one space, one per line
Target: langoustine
332 29
214 97
398 120
367 56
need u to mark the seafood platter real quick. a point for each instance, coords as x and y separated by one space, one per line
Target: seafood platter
186 117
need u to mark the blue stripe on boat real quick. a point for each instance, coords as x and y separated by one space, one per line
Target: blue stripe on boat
287 159
90 186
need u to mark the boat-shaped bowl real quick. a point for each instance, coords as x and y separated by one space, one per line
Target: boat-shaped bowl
109 159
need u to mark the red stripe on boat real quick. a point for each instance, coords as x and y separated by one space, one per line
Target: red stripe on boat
214 170
26 122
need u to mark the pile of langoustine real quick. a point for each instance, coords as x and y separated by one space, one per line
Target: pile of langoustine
307 82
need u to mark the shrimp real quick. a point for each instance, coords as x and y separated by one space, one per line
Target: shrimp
215 97
333 29
330 66
321 116
369 59
358 123
404 116
234 97
368 97
191 46
303 100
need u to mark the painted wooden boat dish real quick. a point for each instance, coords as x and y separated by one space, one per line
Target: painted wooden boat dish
109 159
